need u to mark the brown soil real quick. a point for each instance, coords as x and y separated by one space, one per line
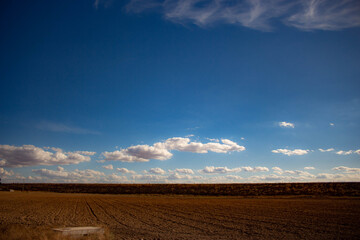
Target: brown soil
187 217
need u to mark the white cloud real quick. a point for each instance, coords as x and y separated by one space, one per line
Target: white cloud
309 168
184 145
161 150
286 125
29 155
326 15
182 170
4 173
223 170
347 169
108 167
156 171
86 153
277 170
213 139
257 14
125 170
291 152
213 169
332 124
122 156
62 175
115 178
341 152
326 150
150 178
344 152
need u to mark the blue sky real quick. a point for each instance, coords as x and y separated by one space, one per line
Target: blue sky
180 91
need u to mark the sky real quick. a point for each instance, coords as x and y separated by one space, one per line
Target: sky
187 91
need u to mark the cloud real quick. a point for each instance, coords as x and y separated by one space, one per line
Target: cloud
29 155
125 170
62 175
277 170
291 152
347 169
341 152
256 14
332 124
182 170
326 150
59 127
86 153
213 139
108 167
115 178
286 125
4 173
223 170
156 171
309 168
326 15
280 171
161 150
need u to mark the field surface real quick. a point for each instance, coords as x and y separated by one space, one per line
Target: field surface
187 217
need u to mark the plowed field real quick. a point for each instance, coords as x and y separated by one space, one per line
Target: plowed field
187 217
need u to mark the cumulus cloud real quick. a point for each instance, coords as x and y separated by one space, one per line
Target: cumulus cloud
341 152
161 150
277 170
256 14
29 155
108 167
326 150
309 168
86 153
182 171
286 125
115 178
347 169
156 171
62 175
214 170
125 170
280 171
4 173
291 152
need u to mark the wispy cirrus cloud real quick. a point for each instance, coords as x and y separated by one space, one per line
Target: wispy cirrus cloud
326 15
257 14
59 127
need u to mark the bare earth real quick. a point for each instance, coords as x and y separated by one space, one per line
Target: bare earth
187 217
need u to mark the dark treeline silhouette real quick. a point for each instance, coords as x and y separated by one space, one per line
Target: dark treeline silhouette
258 189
